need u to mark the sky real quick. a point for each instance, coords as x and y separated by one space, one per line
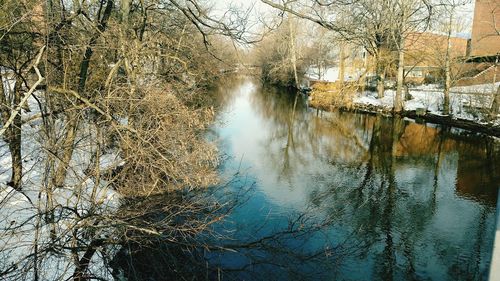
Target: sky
464 13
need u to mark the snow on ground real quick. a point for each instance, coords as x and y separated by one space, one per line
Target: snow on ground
23 216
430 100
330 74
414 104
466 102
483 88
370 98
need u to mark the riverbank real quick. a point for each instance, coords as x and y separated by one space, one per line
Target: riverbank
469 106
427 117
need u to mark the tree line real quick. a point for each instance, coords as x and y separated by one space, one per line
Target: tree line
99 100
381 31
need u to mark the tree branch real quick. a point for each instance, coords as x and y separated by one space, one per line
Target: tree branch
27 95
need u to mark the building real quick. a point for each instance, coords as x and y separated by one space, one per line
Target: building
484 55
425 54
485 41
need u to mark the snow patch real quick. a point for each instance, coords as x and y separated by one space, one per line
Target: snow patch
467 102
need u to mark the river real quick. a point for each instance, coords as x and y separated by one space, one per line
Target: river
346 196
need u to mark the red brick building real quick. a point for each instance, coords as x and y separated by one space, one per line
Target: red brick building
484 49
426 52
486 29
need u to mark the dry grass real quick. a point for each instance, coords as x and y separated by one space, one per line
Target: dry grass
332 95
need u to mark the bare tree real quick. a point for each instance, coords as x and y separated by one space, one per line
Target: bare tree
449 9
379 26
122 82
17 55
408 16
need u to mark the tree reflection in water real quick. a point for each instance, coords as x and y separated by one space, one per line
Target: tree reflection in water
349 196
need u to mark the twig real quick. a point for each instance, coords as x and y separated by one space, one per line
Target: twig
27 95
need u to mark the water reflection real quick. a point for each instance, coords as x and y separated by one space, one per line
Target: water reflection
405 201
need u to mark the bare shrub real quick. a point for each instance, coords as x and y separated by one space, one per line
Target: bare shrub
333 95
166 150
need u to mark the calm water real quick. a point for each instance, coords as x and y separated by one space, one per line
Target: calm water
343 196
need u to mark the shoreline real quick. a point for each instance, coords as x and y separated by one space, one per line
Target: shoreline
445 120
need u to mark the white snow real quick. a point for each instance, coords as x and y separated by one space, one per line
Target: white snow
331 74
414 104
466 102
23 214
482 88
368 100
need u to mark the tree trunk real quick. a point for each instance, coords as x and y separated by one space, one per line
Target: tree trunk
13 133
84 262
380 76
342 64
84 66
82 79
68 148
398 102
293 54
125 9
494 110
447 83
5 107
14 140
495 105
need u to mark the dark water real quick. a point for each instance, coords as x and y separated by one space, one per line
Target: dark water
344 196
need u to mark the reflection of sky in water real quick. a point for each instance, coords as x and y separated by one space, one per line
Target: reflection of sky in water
406 220
247 133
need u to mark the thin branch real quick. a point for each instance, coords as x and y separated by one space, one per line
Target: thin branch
27 95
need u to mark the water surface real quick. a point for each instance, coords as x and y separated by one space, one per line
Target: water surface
344 196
